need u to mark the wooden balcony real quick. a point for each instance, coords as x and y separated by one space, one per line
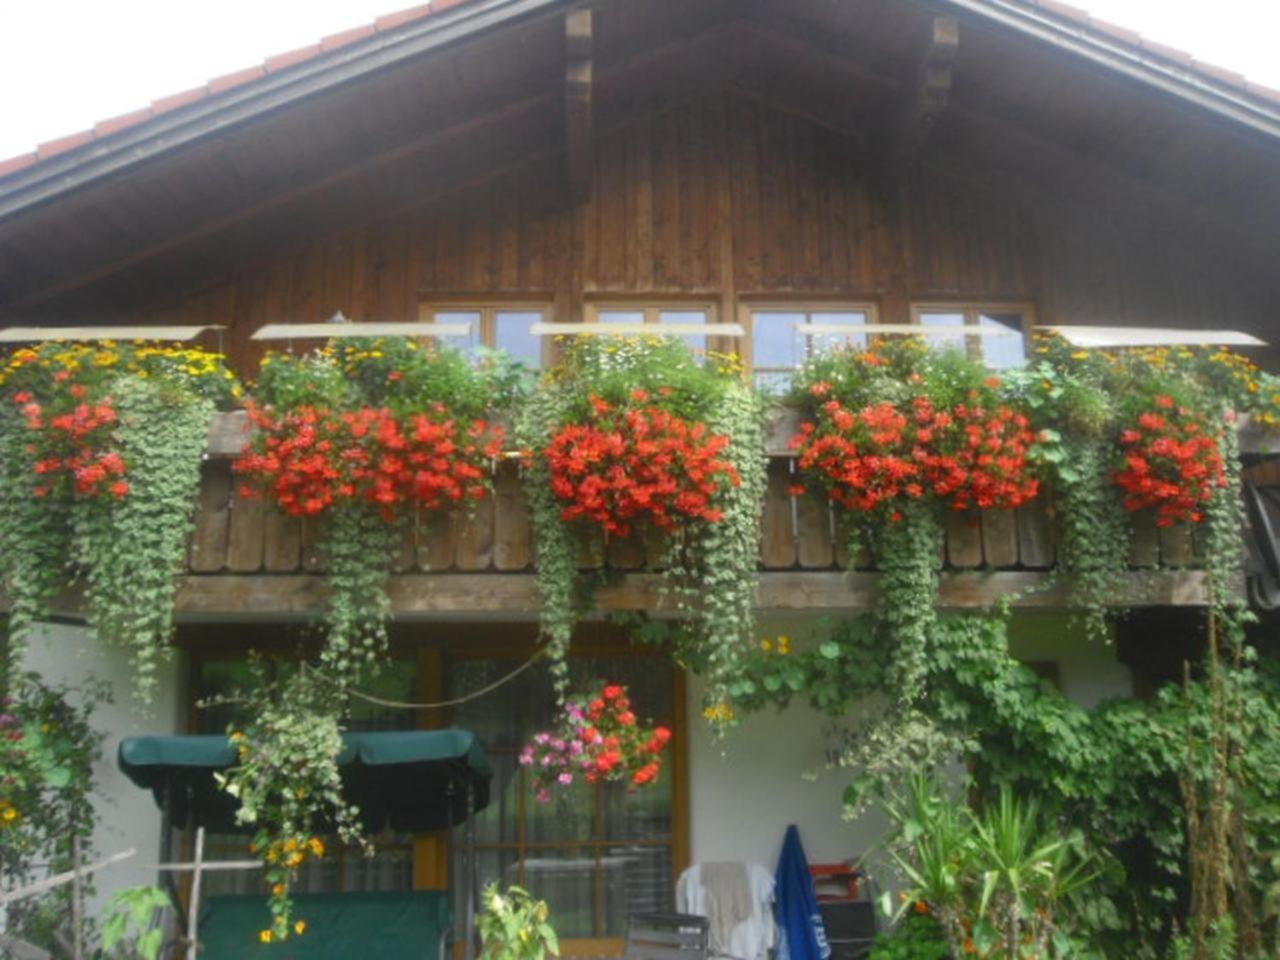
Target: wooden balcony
248 560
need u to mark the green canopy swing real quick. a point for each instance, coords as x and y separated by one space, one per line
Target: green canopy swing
406 781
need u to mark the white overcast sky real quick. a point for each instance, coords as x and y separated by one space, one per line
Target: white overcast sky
65 64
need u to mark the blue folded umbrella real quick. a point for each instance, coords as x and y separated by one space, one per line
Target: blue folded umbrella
801 935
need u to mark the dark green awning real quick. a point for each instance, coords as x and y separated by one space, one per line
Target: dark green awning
409 781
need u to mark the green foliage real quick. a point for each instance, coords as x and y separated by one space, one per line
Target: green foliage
127 547
998 879
287 783
48 748
709 569
515 926
131 550
129 929
916 936
359 539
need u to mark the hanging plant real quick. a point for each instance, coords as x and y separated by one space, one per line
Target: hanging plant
894 435
101 449
366 435
598 739
634 434
288 785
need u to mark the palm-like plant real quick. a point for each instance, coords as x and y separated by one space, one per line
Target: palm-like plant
995 879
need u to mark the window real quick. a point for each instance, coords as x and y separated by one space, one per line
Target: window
502 326
343 869
601 853
1010 321
630 313
779 343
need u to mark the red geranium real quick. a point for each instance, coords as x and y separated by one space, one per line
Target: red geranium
598 739
72 441
1172 463
641 462
974 455
311 458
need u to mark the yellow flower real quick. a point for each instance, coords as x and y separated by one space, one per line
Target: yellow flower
720 712
766 645
265 936
1080 355
278 890
300 927
317 846
784 644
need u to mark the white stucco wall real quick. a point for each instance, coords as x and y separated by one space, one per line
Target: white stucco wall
771 770
127 816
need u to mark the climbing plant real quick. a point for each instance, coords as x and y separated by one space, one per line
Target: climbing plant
633 436
101 447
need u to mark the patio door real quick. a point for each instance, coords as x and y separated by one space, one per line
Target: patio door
598 853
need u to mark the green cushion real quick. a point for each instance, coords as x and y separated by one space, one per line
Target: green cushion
340 926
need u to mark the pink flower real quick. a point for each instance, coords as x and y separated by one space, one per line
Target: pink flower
565 779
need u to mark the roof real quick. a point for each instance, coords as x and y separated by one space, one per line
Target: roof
1176 71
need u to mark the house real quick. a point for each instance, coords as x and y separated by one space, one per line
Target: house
973 162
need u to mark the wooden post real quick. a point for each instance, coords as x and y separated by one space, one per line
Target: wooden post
77 901
193 905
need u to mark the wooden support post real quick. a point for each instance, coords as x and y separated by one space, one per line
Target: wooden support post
193 905
77 901
578 43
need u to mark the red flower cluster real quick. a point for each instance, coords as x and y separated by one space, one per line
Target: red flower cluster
599 739
641 462
76 444
1172 464
972 456
310 458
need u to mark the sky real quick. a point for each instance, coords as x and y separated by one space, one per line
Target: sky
65 64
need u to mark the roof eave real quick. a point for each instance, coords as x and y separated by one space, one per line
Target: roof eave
102 158
1115 54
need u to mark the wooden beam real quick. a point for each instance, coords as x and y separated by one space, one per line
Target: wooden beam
507 595
578 76
927 92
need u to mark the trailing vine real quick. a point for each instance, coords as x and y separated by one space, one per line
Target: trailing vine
102 449
288 785
363 437
131 550
635 431
893 435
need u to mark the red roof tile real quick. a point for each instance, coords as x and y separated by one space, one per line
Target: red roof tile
52 148
1076 16
282 60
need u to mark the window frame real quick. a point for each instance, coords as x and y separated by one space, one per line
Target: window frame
972 311
747 309
488 308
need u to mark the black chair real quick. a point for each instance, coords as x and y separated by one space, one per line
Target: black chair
666 936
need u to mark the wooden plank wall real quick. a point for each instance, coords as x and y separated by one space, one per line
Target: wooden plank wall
234 534
718 196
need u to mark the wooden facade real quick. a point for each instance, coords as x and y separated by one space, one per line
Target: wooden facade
710 152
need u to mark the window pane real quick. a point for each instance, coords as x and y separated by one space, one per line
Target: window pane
566 879
1001 353
696 341
944 320
637 879
472 338
640 815
776 344
511 333
818 342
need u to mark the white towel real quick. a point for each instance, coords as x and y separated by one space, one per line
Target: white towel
737 900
